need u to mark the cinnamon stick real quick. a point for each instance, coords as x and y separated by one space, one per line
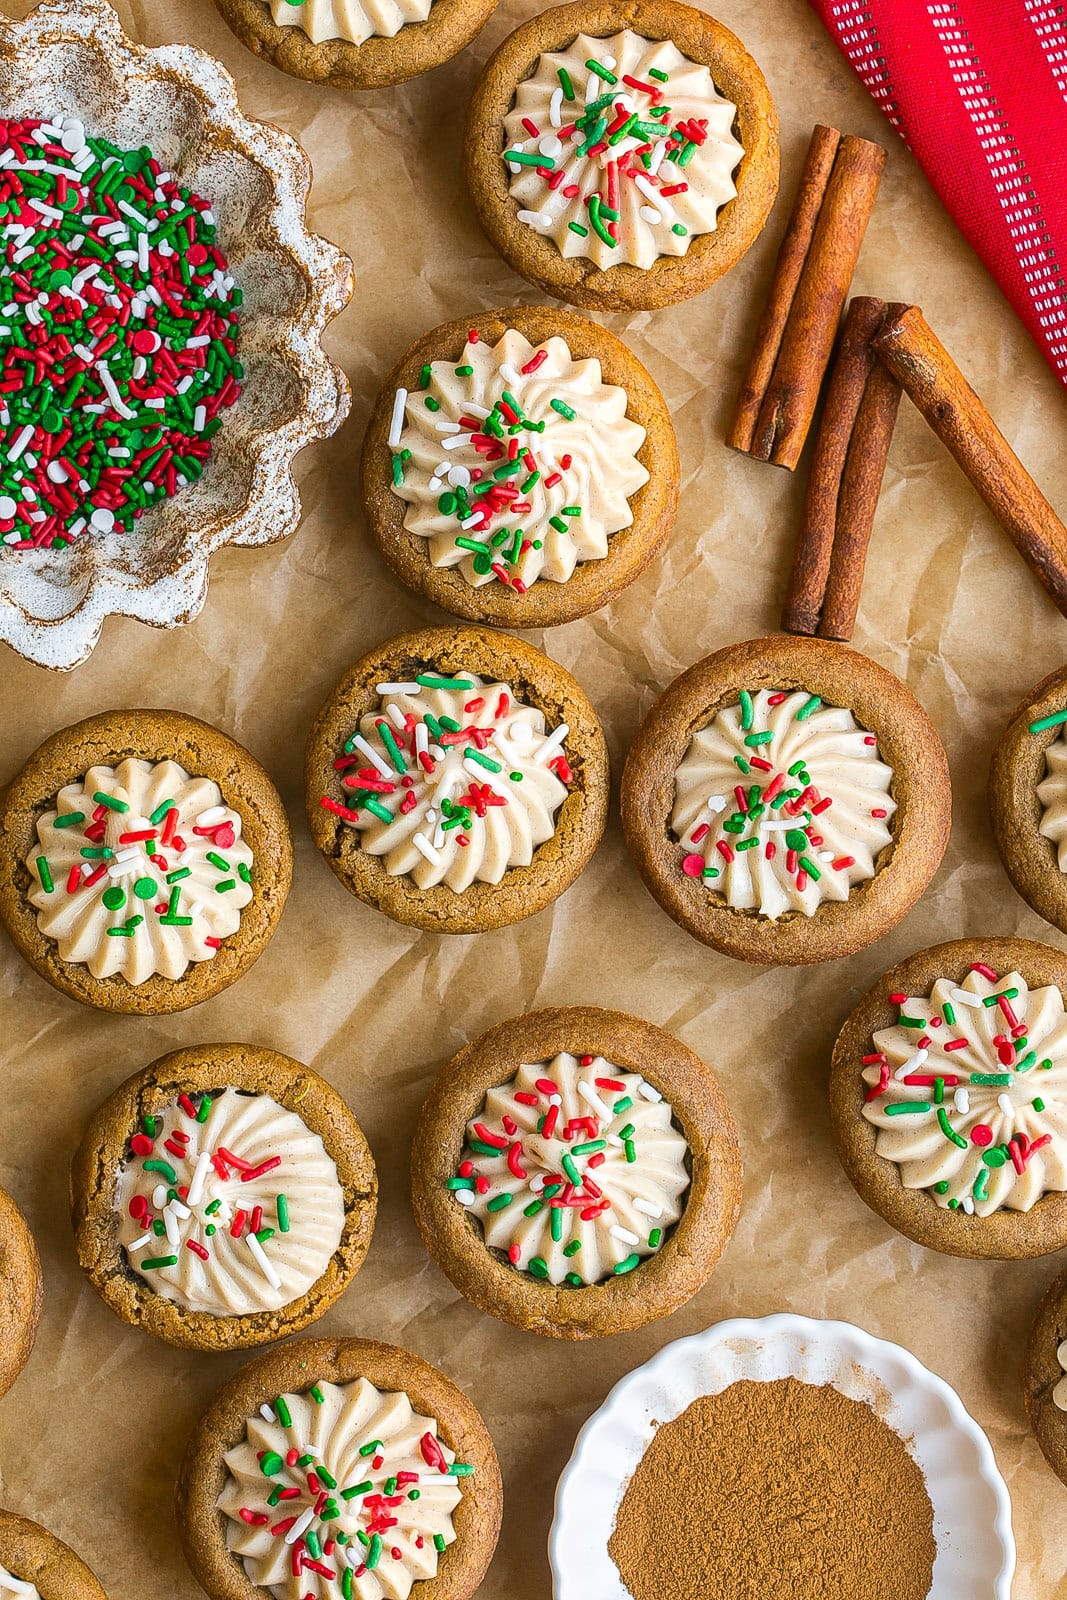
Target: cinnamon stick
807 340
857 502
815 539
792 254
928 374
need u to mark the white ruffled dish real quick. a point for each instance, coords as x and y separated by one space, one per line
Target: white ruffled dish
71 58
972 1511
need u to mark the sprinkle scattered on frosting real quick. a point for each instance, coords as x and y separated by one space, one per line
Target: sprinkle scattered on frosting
140 870
620 150
229 1204
574 1170
968 1091
118 329
782 802
452 779
517 462
341 1491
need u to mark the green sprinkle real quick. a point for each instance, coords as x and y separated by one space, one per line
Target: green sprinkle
371 1448
809 708
981 1184
949 1014
654 1238
179 874
746 710
157 1261
626 1266
904 1107
592 1146
1057 718
114 898
282 1205
912 1022
357 1488
1027 1061
109 800
499 1202
948 1130
381 812
537 1267
941 1188
995 1156
571 1170
739 761
439 1538
556 1222
317 1395
231 883
602 72
45 875
461 1469
1005 994
576 227
677 227
69 819
622 1105
573 1248
160 812
991 1080
164 1168
812 871
470 754
429 680
660 76
565 83
1038 1104
374 1554
564 409
631 1150
533 1208
522 158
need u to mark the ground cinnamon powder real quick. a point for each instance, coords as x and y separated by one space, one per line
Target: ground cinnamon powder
783 1490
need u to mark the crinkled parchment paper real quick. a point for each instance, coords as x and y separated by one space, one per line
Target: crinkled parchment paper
91 1435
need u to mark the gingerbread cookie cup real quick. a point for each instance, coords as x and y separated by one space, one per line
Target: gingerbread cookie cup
32 1555
505 731
526 1102
147 847
298 1370
672 274
959 1146
512 583
20 1291
1045 1377
376 60
1028 799
301 1161
845 790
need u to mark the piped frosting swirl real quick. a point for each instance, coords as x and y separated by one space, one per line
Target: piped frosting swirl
782 803
353 20
229 1204
516 462
342 1490
968 1091
574 1170
452 780
141 870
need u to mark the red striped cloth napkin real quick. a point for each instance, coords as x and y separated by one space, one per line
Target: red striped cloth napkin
978 89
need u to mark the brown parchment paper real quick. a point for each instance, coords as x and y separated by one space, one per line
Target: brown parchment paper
91 1435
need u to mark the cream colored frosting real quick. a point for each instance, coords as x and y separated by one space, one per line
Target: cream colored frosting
354 20
211 1264
576 446
12 1588
824 825
1052 793
176 903
1059 1393
488 799
614 1133
654 218
360 1436
986 1124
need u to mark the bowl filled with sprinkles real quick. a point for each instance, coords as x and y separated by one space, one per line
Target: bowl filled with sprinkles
162 304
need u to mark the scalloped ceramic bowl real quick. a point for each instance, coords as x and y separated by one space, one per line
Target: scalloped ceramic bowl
74 59
972 1512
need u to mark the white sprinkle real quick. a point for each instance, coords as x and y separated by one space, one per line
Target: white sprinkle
170 1222
447 427
915 1060
142 251
139 1244
537 1183
535 219
472 522
510 374
266 1413
962 1101
112 391
275 1283
459 476
553 744
200 419
1004 1101
425 848
550 146
964 997
646 1091
422 739
657 157
648 1209
649 214
474 410
23 439
397 688
196 1188
181 1211
7 508
159 1194
623 1234
555 108
396 426
212 816
456 441
968 1205
396 717
373 757
51 212
465 1196
591 1098
306 1518
102 519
